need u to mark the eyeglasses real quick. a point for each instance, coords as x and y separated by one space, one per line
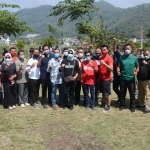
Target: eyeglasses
88 55
7 57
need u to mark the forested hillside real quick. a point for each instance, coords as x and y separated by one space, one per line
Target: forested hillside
118 19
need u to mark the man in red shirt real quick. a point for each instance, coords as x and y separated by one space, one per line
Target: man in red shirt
106 68
89 68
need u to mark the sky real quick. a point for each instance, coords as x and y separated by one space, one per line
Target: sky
35 3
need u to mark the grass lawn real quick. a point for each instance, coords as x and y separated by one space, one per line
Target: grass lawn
46 129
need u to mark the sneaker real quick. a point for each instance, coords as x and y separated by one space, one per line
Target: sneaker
133 110
38 102
35 106
147 112
86 107
121 108
54 107
93 108
14 107
10 108
22 105
44 106
106 109
27 104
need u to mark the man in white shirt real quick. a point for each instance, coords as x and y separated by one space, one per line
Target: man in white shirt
34 75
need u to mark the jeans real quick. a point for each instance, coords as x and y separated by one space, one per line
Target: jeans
23 93
116 85
53 93
71 86
46 84
77 92
86 92
124 84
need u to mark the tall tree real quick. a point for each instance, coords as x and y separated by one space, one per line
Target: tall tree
9 22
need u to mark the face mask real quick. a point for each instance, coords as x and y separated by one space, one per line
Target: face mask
13 54
97 55
65 53
22 57
127 51
56 55
7 60
46 52
146 57
70 56
88 58
35 56
141 56
80 55
104 53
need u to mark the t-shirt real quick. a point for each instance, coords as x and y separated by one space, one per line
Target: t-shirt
88 74
127 66
69 65
23 76
34 73
104 72
43 68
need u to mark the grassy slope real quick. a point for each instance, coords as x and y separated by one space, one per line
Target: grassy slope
45 129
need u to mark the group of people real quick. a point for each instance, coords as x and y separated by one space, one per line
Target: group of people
70 71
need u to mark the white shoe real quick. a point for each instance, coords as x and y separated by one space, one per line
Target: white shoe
22 105
27 104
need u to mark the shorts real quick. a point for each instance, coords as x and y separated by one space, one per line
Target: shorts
105 87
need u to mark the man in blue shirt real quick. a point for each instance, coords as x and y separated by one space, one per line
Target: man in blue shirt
44 77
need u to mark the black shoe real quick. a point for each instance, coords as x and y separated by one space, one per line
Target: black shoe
133 110
44 106
102 105
71 108
93 108
147 112
121 108
138 106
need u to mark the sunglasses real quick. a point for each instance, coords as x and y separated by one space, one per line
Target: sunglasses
7 57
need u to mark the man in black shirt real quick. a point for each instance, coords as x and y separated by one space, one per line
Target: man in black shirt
144 82
70 67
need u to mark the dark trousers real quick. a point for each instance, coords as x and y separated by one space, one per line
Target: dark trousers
97 91
130 85
116 86
23 93
46 86
34 90
77 92
71 86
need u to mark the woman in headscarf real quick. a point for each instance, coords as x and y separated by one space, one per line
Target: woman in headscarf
9 84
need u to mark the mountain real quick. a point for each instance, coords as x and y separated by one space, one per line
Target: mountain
129 20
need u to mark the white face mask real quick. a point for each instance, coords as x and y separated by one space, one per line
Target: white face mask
80 55
22 57
7 60
65 53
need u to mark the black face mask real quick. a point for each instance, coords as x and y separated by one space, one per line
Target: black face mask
35 56
97 55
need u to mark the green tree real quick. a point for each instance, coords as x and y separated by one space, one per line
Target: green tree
20 44
148 33
48 41
9 23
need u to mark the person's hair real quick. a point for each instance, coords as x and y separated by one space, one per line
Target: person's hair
12 48
80 48
45 46
20 51
31 50
104 46
56 49
66 48
88 52
128 44
5 51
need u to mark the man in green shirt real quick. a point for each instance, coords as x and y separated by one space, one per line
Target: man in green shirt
127 70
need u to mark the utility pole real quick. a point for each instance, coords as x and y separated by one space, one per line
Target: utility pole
142 30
